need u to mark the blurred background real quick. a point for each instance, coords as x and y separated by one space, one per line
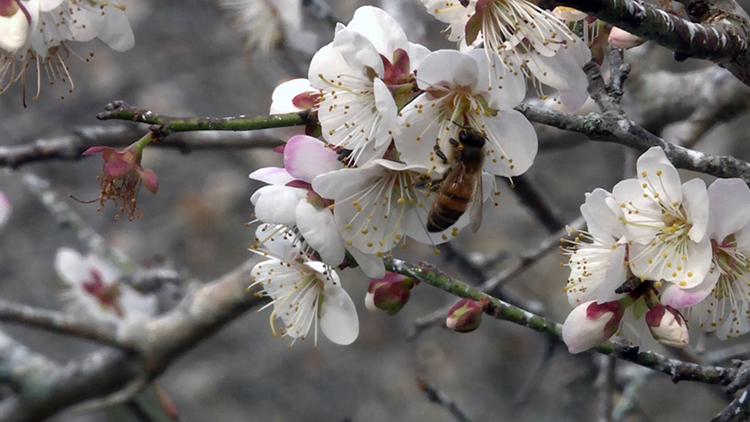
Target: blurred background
189 60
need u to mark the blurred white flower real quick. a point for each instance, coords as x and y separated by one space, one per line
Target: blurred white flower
95 291
54 23
363 75
267 23
304 294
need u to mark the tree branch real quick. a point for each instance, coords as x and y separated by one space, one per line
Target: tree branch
438 397
722 38
498 309
60 323
165 125
161 341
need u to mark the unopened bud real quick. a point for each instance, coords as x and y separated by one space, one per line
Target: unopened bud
14 25
667 326
623 39
466 315
590 324
389 293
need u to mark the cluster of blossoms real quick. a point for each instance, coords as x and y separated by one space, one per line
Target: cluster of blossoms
390 113
35 34
662 250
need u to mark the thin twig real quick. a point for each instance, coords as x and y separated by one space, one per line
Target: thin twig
533 381
605 382
438 397
737 410
627 401
494 285
60 323
538 202
678 370
66 217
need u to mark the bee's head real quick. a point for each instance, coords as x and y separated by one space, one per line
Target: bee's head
471 137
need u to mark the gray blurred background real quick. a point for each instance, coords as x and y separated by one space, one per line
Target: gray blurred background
188 60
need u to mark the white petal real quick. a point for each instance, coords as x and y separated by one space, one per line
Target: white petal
502 87
421 129
319 230
380 29
600 218
306 157
447 69
642 227
277 204
615 276
14 31
358 52
511 144
281 99
338 315
729 202
346 182
680 298
370 264
696 203
659 174
70 266
417 53
272 175
114 29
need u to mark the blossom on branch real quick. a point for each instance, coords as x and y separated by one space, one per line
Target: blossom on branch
304 294
94 289
364 76
520 41
51 25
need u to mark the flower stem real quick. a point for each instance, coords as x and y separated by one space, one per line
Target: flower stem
164 125
498 309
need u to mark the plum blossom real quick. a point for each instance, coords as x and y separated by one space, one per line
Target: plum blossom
597 265
291 201
95 290
294 96
363 76
304 294
375 206
267 23
721 301
459 94
665 222
520 40
51 25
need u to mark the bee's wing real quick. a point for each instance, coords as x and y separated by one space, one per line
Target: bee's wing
477 202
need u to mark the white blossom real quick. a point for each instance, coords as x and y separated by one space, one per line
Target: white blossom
369 61
304 295
94 289
666 222
55 23
266 23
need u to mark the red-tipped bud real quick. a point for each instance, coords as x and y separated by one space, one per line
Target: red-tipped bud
15 22
389 293
466 315
591 324
668 326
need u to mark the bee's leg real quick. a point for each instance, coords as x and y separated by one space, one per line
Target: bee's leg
439 152
453 142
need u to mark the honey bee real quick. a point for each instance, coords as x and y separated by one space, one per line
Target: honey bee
461 188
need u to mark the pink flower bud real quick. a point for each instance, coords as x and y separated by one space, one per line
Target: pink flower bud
668 326
466 315
591 324
15 22
389 293
623 39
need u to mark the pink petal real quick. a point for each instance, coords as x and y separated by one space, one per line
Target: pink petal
276 176
679 298
306 157
95 150
117 168
148 177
